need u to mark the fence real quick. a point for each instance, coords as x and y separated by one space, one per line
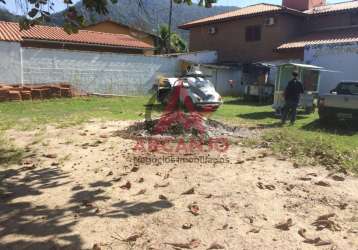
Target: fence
103 72
106 73
99 72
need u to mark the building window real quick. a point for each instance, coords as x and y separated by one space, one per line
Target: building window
253 33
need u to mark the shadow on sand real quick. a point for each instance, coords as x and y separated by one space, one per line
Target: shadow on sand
36 221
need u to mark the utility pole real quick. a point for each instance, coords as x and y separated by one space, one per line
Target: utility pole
170 27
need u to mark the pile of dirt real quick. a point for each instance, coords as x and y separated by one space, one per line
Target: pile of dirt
189 125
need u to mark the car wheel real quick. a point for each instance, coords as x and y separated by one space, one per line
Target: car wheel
324 119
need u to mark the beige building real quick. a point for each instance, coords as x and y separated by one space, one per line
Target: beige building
118 28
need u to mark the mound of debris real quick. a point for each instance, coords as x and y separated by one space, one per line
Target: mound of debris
187 125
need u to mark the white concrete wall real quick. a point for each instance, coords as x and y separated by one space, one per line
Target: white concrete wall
105 73
220 78
273 70
200 57
343 58
10 63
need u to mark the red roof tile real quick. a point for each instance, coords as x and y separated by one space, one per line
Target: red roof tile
333 7
253 9
327 37
11 32
243 12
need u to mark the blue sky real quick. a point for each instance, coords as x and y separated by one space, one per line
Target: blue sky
59 3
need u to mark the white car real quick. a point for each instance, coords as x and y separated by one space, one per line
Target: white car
341 103
196 89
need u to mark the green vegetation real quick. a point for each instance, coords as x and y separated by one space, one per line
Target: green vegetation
8 153
177 44
344 135
333 146
67 112
315 147
307 141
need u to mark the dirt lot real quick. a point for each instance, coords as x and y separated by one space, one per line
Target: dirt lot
80 188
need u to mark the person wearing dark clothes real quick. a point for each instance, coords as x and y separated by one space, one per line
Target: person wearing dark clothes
292 94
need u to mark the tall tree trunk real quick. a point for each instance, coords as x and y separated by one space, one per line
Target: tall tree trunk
170 27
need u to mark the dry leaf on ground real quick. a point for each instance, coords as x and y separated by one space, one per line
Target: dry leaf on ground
194 243
314 241
140 180
305 178
161 185
128 185
285 225
323 184
254 230
96 247
162 197
326 224
133 237
317 241
134 169
142 191
187 226
338 178
260 185
50 156
215 246
190 191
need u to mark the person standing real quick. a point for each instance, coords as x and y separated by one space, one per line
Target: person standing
292 95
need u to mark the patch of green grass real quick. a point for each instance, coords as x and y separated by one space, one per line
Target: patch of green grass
334 145
245 113
313 148
306 140
68 112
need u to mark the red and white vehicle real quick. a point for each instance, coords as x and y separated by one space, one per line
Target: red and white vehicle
198 89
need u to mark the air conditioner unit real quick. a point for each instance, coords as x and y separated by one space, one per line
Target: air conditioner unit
269 21
212 30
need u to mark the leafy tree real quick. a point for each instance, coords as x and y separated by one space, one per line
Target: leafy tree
177 44
39 11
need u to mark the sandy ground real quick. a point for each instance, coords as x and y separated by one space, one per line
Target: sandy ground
80 188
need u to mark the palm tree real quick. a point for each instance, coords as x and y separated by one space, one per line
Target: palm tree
177 44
